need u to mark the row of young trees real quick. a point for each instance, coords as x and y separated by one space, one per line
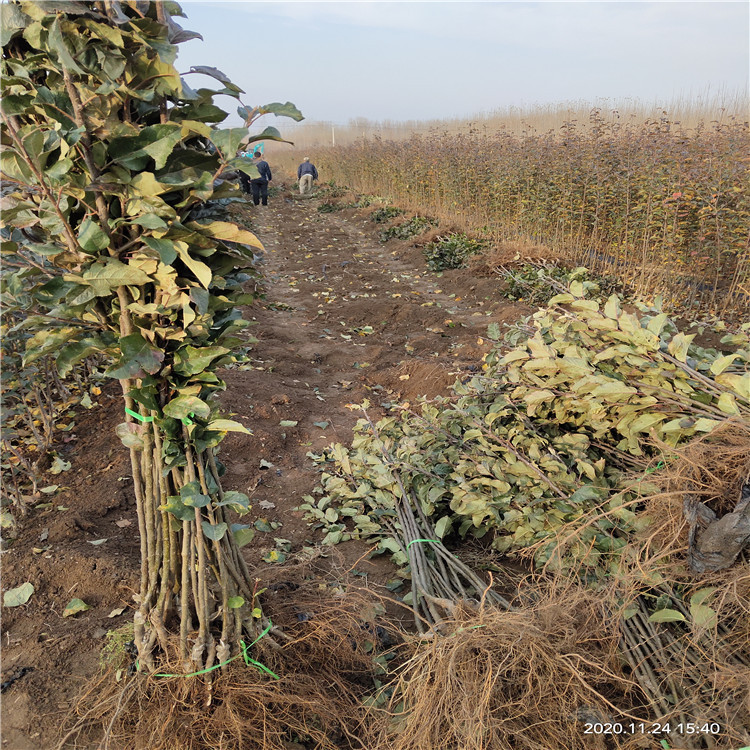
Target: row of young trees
664 208
116 226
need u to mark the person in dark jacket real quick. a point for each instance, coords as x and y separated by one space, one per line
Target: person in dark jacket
245 179
259 185
306 173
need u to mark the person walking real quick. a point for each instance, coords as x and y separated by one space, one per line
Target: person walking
306 173
259 185
245 179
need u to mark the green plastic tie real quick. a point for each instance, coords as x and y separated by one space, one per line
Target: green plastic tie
660 465
471 627
195 674
186 420
664 744
414 541
138 416
244 654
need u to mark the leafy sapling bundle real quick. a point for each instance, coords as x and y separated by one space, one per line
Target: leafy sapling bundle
116 163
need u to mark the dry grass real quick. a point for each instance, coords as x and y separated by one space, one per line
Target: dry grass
657 198
513 254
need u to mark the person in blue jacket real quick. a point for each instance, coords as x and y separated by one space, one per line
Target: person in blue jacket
306 173
259 185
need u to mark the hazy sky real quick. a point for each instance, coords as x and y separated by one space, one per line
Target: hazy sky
425 60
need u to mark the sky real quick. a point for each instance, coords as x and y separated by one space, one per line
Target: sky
398 61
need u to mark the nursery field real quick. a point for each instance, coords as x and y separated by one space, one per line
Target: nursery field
346 319
332 330
451 454
662 205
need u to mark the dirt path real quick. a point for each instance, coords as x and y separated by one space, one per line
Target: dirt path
345 318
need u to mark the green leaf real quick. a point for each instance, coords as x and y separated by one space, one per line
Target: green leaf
57 44
191 360
703 616
178 509
213 72
166 249
584 494
138 357
214 531
235 602
110 273
130 434
679 345
18 596
71 354
442 527
228 141
274 556
160 149
560 299
727 404
242 533
282 110
322 425
225 230
92 237
332 537
74 606
152 221
192 497
719 365
269 134
13 21
201 271
237 501
183 406
59 465
700 596
667 615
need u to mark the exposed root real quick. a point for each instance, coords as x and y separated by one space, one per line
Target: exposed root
325 670
517 679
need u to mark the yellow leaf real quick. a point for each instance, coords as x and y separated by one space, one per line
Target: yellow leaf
727 404
678 346
721 364
657 323
612 308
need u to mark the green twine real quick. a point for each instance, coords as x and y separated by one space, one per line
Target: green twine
138 416
471 627
414 541
185 420
245 655
660 465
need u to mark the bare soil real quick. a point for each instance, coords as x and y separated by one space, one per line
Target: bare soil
344 318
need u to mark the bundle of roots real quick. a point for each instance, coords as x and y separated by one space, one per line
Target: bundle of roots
529 678
696 666
325 669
